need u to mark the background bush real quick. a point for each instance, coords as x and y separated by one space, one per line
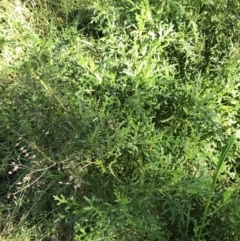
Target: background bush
113 118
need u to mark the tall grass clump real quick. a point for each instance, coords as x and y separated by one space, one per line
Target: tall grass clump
114 120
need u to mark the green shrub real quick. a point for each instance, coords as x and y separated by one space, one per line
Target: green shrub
113 118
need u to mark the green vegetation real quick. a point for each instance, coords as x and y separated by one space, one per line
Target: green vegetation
119 120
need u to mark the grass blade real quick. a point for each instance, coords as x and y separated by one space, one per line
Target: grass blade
222 157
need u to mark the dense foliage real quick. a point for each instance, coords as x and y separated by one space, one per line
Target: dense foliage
115 117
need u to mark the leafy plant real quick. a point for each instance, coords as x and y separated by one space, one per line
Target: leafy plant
112 117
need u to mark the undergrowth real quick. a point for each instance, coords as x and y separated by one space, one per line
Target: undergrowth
119 120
